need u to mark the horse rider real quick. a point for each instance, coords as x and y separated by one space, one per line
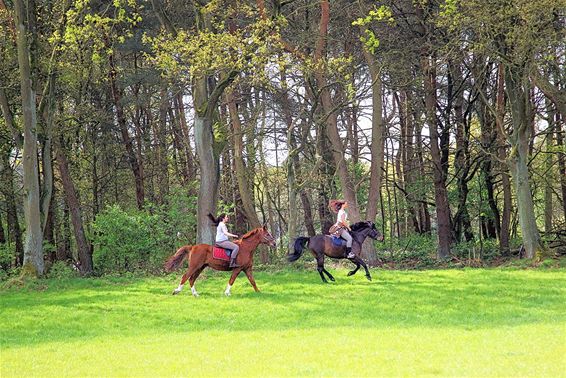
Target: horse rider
342 225
222 235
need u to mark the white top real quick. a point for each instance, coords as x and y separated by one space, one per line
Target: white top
342 217
221 232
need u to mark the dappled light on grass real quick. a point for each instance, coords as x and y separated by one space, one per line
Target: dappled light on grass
436 322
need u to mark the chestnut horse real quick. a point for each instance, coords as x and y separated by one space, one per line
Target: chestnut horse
321 245
200 257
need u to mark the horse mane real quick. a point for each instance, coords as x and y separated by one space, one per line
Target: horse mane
360 225
250 233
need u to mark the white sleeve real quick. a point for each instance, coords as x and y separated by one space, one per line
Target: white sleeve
225 229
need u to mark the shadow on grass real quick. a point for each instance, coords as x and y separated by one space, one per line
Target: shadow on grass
79 309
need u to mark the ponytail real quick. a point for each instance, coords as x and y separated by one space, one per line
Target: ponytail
335 205
215 221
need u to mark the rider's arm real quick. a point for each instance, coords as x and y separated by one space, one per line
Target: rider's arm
225 231
344 221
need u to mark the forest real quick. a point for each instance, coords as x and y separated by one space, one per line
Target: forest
125 122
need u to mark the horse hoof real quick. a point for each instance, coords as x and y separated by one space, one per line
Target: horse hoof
369 278
175 292
350 274
227 293
332 279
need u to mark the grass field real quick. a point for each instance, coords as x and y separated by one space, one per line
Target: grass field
412 323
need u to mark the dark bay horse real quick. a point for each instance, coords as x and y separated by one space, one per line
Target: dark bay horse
200 257
321 245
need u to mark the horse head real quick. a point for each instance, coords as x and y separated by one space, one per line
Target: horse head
266 237
262 235
368 229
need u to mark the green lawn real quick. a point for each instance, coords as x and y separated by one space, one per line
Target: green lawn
451 322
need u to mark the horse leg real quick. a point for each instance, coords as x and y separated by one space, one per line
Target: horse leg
184 279
320 267
352 272
251 279
330 277
195 264
192 280
360 261
235 273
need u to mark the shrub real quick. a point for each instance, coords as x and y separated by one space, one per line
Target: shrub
61 270
7 253
413 252
129 241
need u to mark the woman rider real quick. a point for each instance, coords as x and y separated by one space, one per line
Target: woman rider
222 237
342 226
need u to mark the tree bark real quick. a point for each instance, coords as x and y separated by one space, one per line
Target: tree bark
549 176
239 164
7 188
462 223
561 163
331 115
504 235
83 247
135 164
33 249
444 228
160 148
518 93
368 250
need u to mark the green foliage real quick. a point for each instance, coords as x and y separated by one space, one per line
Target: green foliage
213 47
128 241
135 327
7 253
412 252
61 270
485 250
369 39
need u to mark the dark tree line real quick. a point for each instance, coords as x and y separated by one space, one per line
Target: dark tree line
440 118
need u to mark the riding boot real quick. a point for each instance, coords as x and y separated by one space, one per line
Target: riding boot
349 254
233 263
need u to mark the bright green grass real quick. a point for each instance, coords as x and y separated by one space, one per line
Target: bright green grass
454 322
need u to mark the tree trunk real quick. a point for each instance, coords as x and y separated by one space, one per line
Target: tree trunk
160 148
561 163
135 164
83 247
331 114
376 148
504 235
462 223
444 228
33 248
7 189
292 164
184 133
549 176
408 165
209 177
64 243
518 94
239 165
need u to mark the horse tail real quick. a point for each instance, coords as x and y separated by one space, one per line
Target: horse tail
175 261
299 248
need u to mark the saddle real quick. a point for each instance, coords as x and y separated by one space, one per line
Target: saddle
338 241
221 253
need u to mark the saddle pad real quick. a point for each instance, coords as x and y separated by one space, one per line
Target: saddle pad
220 253
339 242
